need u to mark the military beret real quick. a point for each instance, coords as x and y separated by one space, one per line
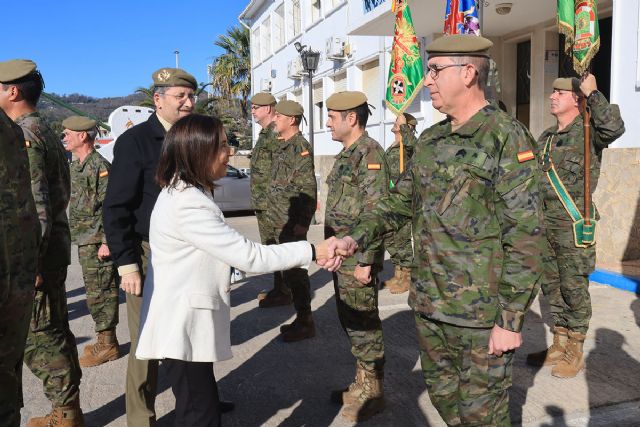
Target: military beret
16 69
347 100
459 45
263 98
567 83
173 77
412 121
289 108
78 123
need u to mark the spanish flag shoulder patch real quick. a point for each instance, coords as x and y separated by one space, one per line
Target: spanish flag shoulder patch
27 143
525 156
305 153
103 174
373 166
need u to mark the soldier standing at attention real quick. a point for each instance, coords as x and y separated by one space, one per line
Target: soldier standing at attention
89 177
472 193
399 244
19 243
291 198
50 350
357 181
561 152
264 113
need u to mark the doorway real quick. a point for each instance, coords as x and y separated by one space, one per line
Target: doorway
523 82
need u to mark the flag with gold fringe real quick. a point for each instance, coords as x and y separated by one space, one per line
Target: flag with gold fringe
578 21
406 73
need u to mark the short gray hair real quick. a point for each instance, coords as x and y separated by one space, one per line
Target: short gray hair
480 63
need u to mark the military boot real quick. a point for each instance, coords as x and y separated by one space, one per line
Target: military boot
275 298
301 328
104 350
351 394
554 353
60 416
370 401
402 282
573 360
394 281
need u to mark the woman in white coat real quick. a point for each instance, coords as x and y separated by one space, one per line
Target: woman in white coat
185 314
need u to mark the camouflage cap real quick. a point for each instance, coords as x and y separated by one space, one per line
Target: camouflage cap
459 45
347 100
15 69
411 121
263 98
173 77
289 108
79 123
567 83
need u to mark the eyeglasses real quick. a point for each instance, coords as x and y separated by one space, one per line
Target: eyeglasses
434 70
182 97
255 107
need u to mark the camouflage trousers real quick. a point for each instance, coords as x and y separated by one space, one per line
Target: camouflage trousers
15 312
466 385
400 247
358 313
50 351
101 288
264 227
569 298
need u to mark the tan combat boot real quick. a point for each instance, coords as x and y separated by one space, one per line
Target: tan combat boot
554 353
301 328
401 285
573 360
393 282
61 416
105 350
351 394
370 401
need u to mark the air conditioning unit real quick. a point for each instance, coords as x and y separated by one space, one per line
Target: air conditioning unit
334 48
265 85
294 69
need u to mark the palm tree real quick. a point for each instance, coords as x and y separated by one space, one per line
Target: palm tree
148 97
232 69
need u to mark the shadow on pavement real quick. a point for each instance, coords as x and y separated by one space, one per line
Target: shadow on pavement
557 415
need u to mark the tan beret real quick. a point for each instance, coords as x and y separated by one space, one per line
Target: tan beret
459 45
567 83
412 121
165 77
263 98
78 123
289 108
16 69
347 100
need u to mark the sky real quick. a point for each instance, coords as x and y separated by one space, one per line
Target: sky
105 48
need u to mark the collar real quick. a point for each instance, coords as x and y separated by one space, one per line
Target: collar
165 124
346 152
474 123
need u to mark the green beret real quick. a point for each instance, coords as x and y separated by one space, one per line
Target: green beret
289 108
347 100
459 45
262 99
412 121
16 69
173 77
78 123
567 83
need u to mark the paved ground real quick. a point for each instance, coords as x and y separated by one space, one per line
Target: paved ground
279 384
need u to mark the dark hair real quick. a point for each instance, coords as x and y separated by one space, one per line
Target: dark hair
362 114
188 152
30 86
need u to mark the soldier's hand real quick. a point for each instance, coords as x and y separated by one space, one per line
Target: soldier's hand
325 259
39 280
363 274
103 252
588 84
345 247
503 340
132 283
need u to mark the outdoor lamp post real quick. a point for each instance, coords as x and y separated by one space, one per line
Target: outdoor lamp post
310 59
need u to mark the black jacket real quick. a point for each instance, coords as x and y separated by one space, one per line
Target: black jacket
132 190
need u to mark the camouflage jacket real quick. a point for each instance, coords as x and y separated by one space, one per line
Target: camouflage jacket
567 154
476 216
292 194
261 167
20 236
50 184
88 187
359 178
393 152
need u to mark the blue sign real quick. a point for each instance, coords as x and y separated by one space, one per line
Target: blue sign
369 5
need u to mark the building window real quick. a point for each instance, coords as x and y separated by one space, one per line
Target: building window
265 39
316 10
371 86
318 106
340 82
278 27
334 3
295 18
255 46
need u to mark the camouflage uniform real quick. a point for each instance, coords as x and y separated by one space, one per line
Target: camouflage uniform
50 351
19 240
291 198
260 179
569 298
357 181
478 236
88 188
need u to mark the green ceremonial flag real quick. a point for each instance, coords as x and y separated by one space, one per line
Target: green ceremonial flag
578 21
406 73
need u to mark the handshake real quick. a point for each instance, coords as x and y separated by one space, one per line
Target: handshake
331 252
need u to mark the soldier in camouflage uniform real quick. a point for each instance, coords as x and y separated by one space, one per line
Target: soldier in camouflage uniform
50 351
399 244
19 242
291 198
264 113
358 179
569 297
472 194
89 177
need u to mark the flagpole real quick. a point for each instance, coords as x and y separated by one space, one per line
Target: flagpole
401 155
480 5
586 123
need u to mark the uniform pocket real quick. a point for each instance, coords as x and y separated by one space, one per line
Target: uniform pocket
41 315
204 302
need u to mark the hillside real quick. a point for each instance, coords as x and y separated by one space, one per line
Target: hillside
97 107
